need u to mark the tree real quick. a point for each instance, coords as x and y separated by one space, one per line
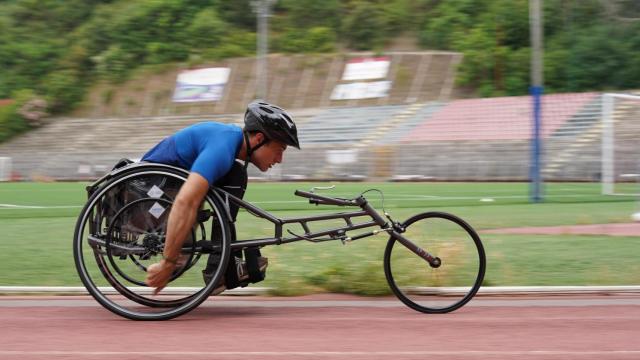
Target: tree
399 15
364 26
206 29
449 18
238 12
598 58
313 13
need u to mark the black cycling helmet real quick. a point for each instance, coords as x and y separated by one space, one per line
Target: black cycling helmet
272 121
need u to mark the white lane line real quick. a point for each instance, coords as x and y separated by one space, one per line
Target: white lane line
22 207
398 197
410 197
574 303
212 354
486 290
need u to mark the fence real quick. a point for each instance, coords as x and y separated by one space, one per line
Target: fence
473 139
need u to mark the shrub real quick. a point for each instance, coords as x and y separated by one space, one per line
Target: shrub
317 39
364 27
11 122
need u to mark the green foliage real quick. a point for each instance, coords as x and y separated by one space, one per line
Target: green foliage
602 60
58 48
361 277
11 123
585 49
312 13
206 29
398 15
364 27
447 20
237 12
314 40
494 64
50 15
63 89
114 63
236 44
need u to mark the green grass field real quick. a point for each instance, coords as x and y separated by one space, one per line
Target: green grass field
37 222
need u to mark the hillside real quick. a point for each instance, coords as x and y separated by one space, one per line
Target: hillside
295 81
97 52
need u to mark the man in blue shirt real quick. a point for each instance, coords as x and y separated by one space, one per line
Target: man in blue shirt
208 151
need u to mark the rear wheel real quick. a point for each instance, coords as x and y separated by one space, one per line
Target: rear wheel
448 283
121 231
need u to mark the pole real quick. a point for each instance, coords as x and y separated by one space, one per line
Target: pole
262 48
537 89
607 144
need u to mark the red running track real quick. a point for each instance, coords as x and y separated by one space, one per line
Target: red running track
327 327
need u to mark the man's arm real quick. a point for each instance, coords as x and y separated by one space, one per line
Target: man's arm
181 219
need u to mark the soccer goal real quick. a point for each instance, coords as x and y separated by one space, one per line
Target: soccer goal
5 168
620 144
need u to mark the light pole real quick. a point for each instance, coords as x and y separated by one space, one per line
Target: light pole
262 9
535 19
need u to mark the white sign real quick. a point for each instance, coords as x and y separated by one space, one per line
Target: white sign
361 90
201 85
366 68
337 157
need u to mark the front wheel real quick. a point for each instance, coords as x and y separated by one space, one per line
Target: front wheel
452 279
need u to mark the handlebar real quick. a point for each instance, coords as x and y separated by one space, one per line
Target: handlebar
325 200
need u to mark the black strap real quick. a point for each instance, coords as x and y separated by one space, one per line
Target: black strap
251 256
250 150
231 276
251 259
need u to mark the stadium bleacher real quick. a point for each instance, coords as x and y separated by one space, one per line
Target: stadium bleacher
416 132
493 149
345 125
506 118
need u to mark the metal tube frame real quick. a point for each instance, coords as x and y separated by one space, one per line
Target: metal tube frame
394 229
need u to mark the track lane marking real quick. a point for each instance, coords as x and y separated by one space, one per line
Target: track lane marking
210 354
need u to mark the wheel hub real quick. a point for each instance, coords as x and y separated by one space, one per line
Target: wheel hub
153 243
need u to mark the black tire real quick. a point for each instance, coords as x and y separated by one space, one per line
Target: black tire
106 226
435 289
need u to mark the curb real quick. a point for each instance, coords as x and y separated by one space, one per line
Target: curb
261 291
80 290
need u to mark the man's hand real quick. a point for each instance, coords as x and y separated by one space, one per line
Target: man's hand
181 219
158 275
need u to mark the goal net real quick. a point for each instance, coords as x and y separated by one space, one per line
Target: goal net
621 144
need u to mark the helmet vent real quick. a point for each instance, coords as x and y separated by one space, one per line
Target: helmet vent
266 109
287 119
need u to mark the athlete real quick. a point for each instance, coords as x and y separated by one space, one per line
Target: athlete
210 152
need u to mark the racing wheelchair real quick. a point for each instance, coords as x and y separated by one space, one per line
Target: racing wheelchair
434 262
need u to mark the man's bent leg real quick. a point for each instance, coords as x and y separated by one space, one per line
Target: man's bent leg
252 269
235 183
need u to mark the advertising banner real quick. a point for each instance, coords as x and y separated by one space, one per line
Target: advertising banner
201 85
361 90
366 68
